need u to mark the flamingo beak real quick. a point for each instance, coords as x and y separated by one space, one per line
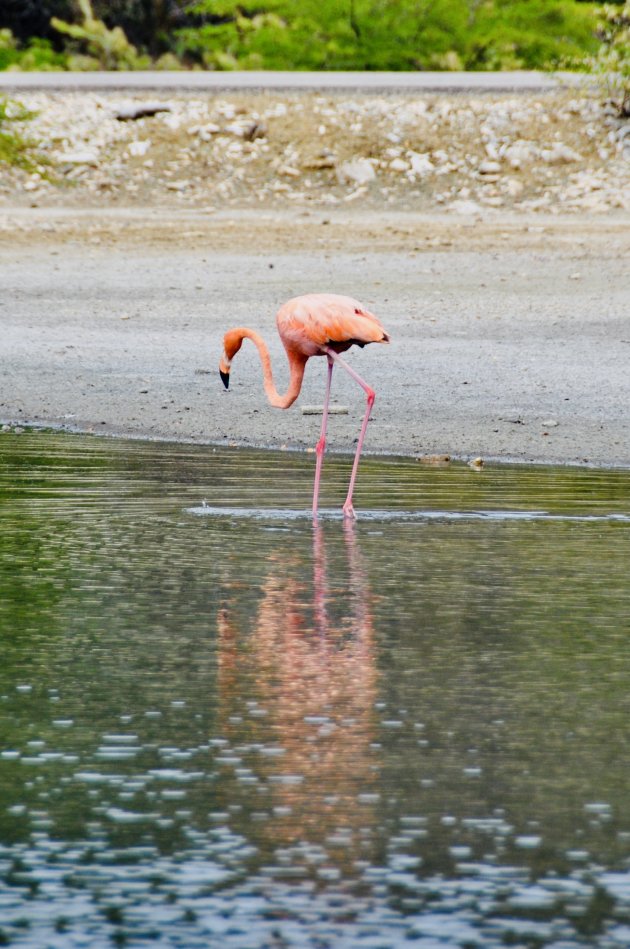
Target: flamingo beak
225 378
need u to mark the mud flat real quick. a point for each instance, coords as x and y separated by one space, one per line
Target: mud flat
509 331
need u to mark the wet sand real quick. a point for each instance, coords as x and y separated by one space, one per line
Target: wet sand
509 333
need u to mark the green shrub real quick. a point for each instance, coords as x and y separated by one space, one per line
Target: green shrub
612 62
383 34
105 48
15 148
38 54
323 35
530 34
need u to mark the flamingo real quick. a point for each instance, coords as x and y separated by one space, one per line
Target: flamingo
316 324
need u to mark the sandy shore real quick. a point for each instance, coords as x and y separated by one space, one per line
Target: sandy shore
509 332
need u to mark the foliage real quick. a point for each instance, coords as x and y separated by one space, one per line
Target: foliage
15 148
106 48
532 34
304 34
382 34
146 23
38 54
612 63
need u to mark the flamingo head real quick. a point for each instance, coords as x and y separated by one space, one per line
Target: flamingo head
224 372
232 342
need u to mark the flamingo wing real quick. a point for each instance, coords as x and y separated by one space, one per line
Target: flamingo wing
309 322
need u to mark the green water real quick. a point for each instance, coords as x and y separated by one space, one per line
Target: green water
221 725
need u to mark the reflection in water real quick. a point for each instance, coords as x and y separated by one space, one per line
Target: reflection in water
307 664
246 731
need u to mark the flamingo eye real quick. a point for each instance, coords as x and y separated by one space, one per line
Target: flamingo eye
357 310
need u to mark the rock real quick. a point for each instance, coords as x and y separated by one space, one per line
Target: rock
476 464
489 168
520 153
559 154
464 206
139 148
87 156
421 164
205 132
399 164
255 130
513 187
129 113
359 171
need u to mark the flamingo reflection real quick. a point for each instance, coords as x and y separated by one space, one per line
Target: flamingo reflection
298 685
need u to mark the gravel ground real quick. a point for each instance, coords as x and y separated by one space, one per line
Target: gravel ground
560 150
489 233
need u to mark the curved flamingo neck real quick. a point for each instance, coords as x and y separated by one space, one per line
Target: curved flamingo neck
297 363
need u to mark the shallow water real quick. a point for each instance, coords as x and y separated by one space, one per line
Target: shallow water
220 725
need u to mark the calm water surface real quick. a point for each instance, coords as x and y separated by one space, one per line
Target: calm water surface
221 726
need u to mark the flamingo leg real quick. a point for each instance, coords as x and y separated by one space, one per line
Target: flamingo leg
348 509
321 444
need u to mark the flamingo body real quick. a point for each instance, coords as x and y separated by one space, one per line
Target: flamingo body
316 324
308 323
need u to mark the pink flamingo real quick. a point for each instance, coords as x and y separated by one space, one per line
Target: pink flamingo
318 324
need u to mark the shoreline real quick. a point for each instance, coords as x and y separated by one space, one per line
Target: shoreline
510 338
19 427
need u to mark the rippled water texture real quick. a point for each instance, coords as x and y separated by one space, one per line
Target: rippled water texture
221 726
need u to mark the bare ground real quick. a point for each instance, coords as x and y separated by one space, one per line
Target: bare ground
507 305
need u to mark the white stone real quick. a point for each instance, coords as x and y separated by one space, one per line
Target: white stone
358 171
87 156
139 148
399 164
464 206
421 164
559 154
520 153
489 168
513 187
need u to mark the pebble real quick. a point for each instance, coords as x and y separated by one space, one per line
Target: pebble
359 171
489 168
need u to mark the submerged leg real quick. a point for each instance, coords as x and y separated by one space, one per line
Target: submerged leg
321 444
348 509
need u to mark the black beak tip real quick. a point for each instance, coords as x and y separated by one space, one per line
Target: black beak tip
225 378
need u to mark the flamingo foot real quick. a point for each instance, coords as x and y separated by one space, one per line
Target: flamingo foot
348 511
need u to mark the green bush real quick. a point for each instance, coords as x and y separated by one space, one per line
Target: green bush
530 34
37 54
318 35
612 62
383 34
15 148
104 48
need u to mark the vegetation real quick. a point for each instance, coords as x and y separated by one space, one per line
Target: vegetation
34 54
378 34
612 62
297 34
15 148
106 48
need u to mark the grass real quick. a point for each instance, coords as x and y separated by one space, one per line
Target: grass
16 149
